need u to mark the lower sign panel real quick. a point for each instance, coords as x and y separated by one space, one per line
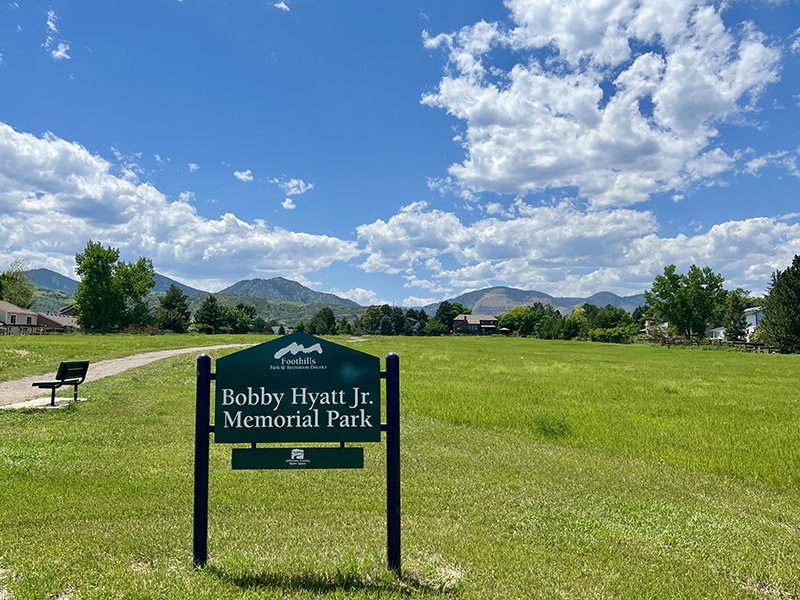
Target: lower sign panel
298 458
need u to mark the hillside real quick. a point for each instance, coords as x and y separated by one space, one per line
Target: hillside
498 300
285 312
46 279
281 299
163 282
50 280
279 289
50 301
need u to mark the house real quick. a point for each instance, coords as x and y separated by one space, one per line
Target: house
475 324
15 320
715 333
654 330
754 316
57 323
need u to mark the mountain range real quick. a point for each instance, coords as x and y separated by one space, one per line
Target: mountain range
279 289
497 300
278 292
50 280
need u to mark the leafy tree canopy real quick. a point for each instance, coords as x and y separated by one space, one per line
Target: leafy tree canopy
373 316
15 286
448 311
111 292
323 323
523 319
173 312
734 321
688 302
209 317
239 318
781 324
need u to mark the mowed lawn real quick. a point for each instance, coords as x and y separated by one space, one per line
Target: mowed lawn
530 469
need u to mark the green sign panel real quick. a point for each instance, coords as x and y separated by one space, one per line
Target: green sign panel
298 458
298 388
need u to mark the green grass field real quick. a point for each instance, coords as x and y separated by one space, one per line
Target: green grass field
531 469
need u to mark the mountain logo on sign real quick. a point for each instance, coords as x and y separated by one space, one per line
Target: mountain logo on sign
294 348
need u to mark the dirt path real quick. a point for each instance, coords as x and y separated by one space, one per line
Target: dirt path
20 390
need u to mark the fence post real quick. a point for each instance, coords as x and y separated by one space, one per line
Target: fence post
393 461
201 450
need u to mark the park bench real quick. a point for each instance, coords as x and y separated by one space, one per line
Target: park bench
70 372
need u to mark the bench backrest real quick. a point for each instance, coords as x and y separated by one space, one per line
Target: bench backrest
72 369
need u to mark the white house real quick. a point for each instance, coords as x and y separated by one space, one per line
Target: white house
754 316
716 333
15 320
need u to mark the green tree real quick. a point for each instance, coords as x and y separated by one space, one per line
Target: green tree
576 324
301 327
343 327
134 282
173 310
209 317
639 312
15 286
421 317
111 293
387 327
371 319
260 325
322 323
448 311
734 321
524 319
97 298
239 318
399 321
549 327
781 324
688 302
436 327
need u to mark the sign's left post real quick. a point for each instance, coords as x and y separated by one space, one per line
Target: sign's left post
203 429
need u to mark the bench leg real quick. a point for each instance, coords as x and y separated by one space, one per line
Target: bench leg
53 397
75 395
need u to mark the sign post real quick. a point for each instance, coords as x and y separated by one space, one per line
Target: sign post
297 389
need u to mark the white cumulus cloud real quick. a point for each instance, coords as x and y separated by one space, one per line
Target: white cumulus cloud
567 250
243 175
292 187
49 180
620 99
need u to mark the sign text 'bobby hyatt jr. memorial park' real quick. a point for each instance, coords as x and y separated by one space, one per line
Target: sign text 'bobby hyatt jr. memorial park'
298 388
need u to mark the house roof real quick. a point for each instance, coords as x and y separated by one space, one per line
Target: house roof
61 320
13 308
476 319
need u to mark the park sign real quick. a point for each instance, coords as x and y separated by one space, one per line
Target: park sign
298 388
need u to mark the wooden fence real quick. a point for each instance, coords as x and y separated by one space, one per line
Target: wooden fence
747 346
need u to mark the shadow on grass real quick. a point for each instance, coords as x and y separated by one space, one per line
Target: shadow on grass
309 581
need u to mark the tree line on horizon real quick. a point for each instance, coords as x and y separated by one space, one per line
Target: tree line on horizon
112 293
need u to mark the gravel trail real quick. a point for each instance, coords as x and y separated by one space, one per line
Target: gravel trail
20 390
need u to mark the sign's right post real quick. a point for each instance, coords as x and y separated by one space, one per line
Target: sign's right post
392 375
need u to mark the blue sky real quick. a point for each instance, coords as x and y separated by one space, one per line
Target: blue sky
404 152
